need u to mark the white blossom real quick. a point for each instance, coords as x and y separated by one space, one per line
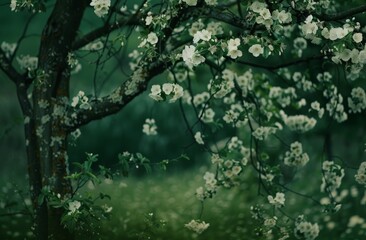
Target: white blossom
101 7
256 50
197 226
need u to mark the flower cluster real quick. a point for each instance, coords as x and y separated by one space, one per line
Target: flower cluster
233 114
101 7
81 100
283 96
262 133
197 226
224 85
8 48
263 15
316 107
296 157
231 169
149 127
169 91
357 101
332 176
335 106
210 187
232 46
278 200
299 123
194 2
361 174
27 62
246 82
191 56
207 115
151 40
305 230
198 138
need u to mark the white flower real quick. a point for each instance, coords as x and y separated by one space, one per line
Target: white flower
277 201
148 19
257 6
357 37
235 53
167 88
233 44
74 206
27 62
198 138
190 2
191 57
156 93
101 7
152 38
265 13
13 5
256 50
203 35
76 134
8 48
149 127
178 93
197 226
337 33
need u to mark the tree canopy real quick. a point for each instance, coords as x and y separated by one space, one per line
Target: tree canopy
268 92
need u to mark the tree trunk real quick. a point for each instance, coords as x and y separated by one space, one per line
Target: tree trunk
46 139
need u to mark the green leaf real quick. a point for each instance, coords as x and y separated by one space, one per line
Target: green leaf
41 199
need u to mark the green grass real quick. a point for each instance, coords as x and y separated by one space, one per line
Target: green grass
140 206
157 206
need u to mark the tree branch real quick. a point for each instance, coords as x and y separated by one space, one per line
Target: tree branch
278 66
114 102
106 29
345 14
8 69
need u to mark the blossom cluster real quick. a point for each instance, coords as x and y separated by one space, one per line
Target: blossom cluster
149 127
335 105
278 200
191 56
305 230
194 2
300 123
81 100
171 91
332 176
263 15
8 48
282 96
262 133
361 174
210 187
198 137
197 226
101 7
27 62
357 101
296 157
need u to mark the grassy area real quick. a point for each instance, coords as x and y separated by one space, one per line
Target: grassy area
158 206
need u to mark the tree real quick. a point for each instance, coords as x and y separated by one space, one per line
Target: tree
273 67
